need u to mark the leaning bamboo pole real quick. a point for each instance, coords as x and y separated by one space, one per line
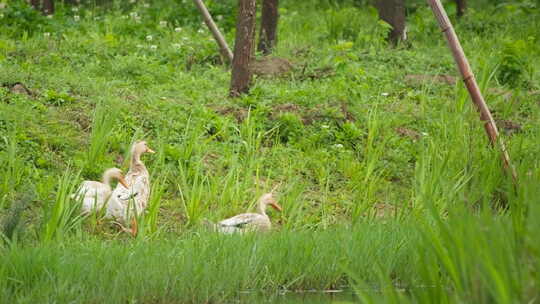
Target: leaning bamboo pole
225 50
470 82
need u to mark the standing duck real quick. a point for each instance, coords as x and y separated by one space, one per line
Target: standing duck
95 194
258 221
126 202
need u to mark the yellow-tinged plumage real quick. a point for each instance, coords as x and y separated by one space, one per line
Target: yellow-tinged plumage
95 194
130 201
258 221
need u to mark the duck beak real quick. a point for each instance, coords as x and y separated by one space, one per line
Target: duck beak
276 206
134 227
150 151
122 181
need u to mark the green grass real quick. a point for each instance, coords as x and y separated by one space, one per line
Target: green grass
463 257
200 267
345 137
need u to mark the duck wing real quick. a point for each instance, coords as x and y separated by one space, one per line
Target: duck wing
136 196
93 195
141 186
241 220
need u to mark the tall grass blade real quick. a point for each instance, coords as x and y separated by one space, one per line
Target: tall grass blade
62 216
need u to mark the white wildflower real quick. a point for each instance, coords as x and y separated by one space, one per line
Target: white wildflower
425 133
338 146
149 37
146 5
48 16
47 34
385 94
132 1
76 17
200 31
133 14
74 9
163 23
178 29
219 17
325 126
153 47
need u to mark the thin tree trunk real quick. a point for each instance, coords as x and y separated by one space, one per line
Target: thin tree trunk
35 4
225 50
461 7
243 48
48 7
470 82
393 13
269 22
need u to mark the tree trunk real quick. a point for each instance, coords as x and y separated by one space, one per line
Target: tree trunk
269 22
35 4
48 7
393 13
243 48
461 7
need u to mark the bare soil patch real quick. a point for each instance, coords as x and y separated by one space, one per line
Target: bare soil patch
508 126
238 113
271 66
18 88
418 79
410 133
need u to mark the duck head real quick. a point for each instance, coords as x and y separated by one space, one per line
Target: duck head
141 147
114 173
268 199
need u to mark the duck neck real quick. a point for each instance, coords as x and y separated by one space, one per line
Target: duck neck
136 159
261 208
106 178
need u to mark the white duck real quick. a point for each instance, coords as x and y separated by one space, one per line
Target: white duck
258 221
125 202
95 194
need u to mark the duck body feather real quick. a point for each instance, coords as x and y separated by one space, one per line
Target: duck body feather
126 202
93 194
245 222
253 221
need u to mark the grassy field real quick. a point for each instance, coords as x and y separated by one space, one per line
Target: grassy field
387 181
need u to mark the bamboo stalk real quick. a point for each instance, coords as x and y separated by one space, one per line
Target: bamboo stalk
470 82
225 50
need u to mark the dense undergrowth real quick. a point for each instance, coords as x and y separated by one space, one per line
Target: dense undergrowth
386 179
